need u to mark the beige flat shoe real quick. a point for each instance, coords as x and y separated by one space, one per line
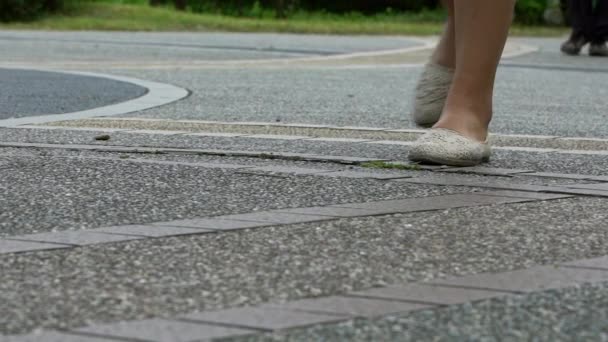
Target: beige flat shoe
431 92
447 147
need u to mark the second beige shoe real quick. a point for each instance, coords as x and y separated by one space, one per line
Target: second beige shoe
431 93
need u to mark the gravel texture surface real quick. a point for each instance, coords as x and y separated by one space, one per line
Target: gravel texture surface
573 314
165 277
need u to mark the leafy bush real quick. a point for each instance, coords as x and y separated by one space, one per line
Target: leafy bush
282 8
17 10
530 11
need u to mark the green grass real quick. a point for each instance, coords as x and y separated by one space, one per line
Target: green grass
135 15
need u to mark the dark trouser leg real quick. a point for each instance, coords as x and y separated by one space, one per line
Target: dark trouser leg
600 26
581 17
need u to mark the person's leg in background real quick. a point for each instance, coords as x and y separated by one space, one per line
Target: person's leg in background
436 79
599 30
459 137
581 20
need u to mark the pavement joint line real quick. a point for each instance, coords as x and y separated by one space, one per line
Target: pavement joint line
320 158
228 325
499 141
476 288
231 153
109 338
60 244
585 267
354 295
158 94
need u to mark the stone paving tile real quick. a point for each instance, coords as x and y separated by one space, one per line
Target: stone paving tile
77 238
338 159
358 174
486 184
213 223
528 280
214 134
14 246
352 306
425 293
283 169
598 178
581 192
274 216
599 263
523 194
164 330
263 318
432 203
53 336
168 162
150 230
597 186
342 140
557 175
486 171
154 131
277 136
335 211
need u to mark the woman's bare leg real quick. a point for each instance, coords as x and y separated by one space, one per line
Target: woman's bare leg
481 28
445 53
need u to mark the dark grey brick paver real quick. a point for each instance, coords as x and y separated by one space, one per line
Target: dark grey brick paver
581 192
558 175
78 238
523 194
431 203
596 186
473 183
528 280
53 336
284 169
428 294
14 246
264 318
486 171
353 306
599 263
364 175
160 330
212 223
334 211
151 230
274 216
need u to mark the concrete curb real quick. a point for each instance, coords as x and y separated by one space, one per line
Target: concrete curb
158 94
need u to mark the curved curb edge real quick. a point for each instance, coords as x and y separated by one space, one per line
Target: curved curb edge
158 94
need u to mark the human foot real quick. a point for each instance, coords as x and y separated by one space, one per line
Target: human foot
448 147
574 44
598 49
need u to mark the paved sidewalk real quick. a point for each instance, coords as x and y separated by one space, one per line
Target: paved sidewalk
270 197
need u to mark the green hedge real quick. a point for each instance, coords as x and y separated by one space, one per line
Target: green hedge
20 10
245 7
530 11
526 11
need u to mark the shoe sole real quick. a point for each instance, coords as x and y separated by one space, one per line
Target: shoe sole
448 161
